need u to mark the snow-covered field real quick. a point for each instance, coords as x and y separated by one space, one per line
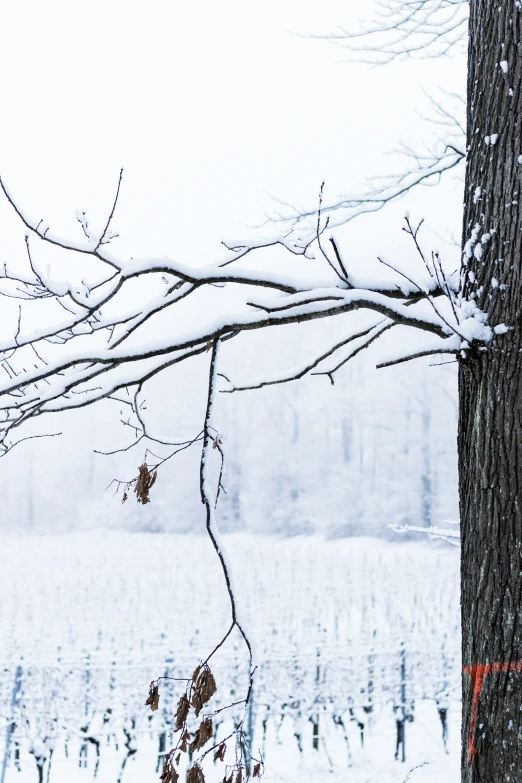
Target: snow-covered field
349 634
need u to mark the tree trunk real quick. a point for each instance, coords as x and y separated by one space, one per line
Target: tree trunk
490 397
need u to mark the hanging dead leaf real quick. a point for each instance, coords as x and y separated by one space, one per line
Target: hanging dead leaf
219 755
144 483
182 712
257 771
204 688
169 774
124 498
195 775
178 758
184 742
202 735
154 697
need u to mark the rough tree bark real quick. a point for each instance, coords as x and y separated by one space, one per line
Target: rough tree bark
490 392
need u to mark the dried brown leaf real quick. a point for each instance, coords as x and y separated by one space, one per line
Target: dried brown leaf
195 774
144 483
154 697
182 712
184 742
204 688
124 498
169 774
202 735
257 771
219 755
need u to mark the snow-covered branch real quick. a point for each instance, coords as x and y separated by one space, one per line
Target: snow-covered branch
422 28
423 165
449 533
94 342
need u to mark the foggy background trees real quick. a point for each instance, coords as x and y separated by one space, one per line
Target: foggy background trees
375 449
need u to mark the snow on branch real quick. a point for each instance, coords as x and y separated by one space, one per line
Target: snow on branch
424 166
91 344
422 28
449 533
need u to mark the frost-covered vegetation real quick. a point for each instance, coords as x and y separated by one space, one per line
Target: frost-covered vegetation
351 636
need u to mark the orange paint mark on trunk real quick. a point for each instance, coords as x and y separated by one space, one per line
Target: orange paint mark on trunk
477 673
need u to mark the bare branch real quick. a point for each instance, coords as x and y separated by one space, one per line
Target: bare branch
381 191
5 449
422 28
104 239
304 369
418 355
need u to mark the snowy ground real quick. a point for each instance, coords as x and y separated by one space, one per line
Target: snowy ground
284 763
87 620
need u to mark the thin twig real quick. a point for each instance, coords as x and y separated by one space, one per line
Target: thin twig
111 214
